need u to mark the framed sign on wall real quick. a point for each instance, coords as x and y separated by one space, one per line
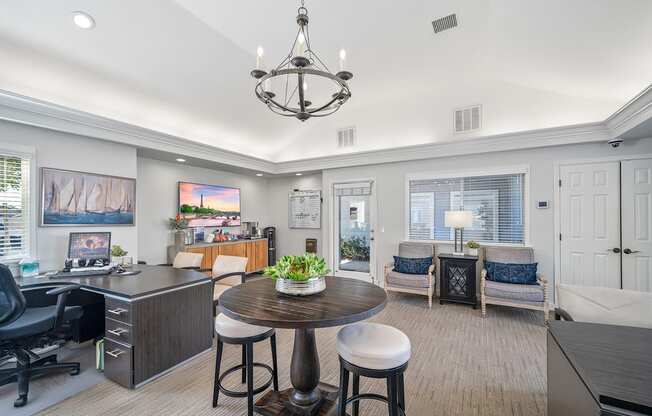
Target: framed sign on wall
304 209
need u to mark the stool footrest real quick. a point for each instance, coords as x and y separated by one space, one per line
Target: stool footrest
232 370
370 396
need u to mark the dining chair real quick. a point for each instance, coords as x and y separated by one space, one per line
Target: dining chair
227 271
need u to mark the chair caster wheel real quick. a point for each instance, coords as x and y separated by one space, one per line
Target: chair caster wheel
20 401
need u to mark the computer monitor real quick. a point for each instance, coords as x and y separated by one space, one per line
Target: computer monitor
92 245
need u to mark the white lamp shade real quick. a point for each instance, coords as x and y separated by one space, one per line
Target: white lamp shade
458 219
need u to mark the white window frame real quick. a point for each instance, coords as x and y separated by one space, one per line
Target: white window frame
509 170
27 153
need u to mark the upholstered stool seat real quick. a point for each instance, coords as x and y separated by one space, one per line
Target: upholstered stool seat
375 351
373 346
230 328
230 331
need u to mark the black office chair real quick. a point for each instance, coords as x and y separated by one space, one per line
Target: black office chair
23 329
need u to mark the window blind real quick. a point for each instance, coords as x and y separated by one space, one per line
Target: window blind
14 208
497 203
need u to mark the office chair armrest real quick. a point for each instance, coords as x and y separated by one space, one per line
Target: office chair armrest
63 289
62 297
243 276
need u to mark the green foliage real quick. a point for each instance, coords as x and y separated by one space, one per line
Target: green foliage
10 173
355 248
472 244
117 251
186 209
299 268
178 223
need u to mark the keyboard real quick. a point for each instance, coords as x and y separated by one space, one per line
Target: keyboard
85 273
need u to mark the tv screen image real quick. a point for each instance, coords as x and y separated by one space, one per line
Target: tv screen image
209 205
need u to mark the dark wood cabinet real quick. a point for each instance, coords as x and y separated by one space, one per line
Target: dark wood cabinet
458 279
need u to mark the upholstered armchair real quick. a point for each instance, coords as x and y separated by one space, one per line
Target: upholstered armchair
534 297
412 283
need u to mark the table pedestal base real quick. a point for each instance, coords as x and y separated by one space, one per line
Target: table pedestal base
277 403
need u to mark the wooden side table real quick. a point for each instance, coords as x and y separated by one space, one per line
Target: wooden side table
458 279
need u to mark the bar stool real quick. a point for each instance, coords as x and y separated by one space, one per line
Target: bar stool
230 331
375 351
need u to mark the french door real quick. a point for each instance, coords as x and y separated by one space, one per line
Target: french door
606 220
353 230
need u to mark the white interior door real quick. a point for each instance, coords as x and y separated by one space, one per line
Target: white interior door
590 224
353 230
637 224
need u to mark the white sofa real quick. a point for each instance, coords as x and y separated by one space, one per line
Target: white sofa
604 305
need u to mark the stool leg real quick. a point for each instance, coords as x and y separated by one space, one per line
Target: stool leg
356 390
244 364
392 395
218 363
250 378
272 341
344 390
401 392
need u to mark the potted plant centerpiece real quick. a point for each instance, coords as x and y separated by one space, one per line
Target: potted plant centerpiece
299 275
473 247
179 225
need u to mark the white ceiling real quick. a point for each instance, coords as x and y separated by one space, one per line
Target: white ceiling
182 67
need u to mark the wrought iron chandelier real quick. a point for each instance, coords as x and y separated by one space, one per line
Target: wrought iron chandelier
298 66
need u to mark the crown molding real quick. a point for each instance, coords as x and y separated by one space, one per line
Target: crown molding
33 112
556 136
630 115
30 111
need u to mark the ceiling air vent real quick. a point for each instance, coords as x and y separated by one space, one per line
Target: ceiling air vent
444 23
346 137
468 119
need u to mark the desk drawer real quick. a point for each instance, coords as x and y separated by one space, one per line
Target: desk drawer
118 363
118 310
118 331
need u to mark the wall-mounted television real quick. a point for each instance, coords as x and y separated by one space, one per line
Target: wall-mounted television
209 205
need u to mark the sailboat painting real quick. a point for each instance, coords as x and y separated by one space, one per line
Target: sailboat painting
76 198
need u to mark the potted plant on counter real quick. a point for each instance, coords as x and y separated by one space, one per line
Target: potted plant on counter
299 275
179 225
473 247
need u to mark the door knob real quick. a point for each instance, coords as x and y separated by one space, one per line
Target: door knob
628 251
615 250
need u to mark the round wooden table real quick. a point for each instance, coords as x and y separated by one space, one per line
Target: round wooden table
344 301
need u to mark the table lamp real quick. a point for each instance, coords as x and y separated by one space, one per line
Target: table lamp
458 220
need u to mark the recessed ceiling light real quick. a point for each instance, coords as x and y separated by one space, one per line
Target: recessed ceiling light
259 174
180 160
298 174
83 20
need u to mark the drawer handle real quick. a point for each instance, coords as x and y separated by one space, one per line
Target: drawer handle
117 311
117 332
115 353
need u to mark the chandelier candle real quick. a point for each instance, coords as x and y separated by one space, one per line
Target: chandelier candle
294 70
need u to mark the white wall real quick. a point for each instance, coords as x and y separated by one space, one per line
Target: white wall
292 241
157 201
390 187
67 151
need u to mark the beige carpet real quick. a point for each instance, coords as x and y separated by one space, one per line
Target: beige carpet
461 365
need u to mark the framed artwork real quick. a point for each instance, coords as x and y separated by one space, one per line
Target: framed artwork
70 198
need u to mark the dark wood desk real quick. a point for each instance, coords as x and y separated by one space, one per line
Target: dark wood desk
344 301
154 320
598 369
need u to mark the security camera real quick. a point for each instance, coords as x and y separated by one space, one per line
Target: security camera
615 143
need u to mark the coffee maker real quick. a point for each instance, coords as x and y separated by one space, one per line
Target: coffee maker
249 229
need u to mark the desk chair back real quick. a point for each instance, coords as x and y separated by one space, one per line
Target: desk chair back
12 301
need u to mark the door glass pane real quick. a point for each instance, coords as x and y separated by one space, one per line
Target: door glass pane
354 233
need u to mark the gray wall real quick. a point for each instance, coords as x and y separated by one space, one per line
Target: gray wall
68 151
390 187
158 194
292 241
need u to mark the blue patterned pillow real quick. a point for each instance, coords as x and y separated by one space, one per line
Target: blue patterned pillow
523 274
412 266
